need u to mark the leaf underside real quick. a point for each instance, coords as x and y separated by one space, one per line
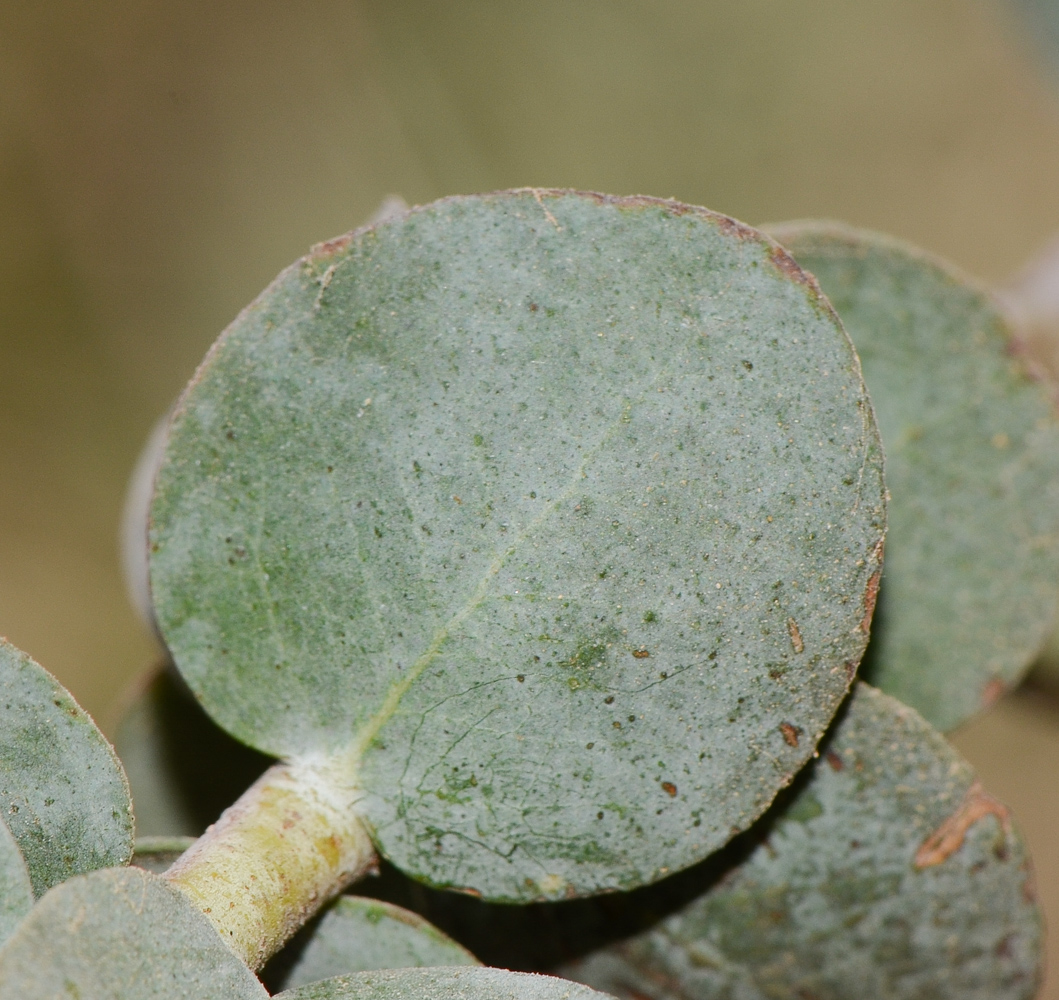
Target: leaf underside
443 984
559 515
356 934
889 874
63 794
972 463
121 934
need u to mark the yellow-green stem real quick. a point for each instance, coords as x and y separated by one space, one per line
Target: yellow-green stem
291 842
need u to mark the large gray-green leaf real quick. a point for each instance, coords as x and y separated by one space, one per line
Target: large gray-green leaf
443 984
356 934
16 891
120 934
63 793
559 515
184 770
890 873
972 463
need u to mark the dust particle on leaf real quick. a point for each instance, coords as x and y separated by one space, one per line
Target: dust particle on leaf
871 594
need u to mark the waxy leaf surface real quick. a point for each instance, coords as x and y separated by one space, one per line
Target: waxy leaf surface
558 516
120 934
890 873
443 984
972 464
356 934
16 892
63 794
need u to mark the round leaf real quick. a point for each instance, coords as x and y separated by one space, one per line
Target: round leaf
356 934
890 873
972 463
121 934
16 892
494 497
443 984
63 793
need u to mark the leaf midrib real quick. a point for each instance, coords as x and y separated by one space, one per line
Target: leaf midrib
374 724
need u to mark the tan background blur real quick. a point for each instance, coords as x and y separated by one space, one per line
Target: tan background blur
159 163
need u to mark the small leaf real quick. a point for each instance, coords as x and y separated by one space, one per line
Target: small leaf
443 984
677 458
183 769
63 794
16 892
120 934
888 873
356 934
972 463
157 854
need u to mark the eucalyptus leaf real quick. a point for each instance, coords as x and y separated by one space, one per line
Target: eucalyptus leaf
890 873
558 516
16 891
972 462
356 934
63 794
443 984
120 934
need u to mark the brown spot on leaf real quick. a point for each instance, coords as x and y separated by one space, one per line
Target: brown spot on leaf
669 788
640 654
786 264
992 691
330 247
795 634
790 734
871 595
834 761
948 838
468 891
732 227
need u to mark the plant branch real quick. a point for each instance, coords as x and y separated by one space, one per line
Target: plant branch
291 842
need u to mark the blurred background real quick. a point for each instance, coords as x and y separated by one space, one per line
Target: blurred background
160 163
